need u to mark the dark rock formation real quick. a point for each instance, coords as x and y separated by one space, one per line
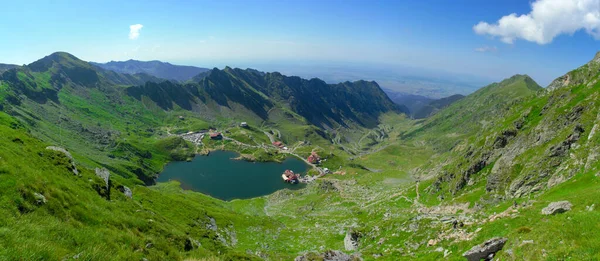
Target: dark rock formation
485 251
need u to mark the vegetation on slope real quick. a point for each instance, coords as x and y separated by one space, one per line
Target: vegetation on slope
430 189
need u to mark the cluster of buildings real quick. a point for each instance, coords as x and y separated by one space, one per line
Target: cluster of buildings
290 176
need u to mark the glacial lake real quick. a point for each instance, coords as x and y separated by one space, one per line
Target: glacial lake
220 176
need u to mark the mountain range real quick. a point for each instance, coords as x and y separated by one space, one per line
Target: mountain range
508 171
155 68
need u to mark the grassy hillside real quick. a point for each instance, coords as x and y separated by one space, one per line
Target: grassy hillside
400 189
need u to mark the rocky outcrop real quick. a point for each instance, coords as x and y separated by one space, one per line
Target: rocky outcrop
73 168
485 251
562 148
212 225
351 240
126 191
331 255
104 174
557 207
104 188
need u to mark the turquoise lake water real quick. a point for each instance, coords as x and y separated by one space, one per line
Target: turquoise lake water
219 176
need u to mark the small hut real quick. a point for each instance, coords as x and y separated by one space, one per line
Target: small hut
278 144
244 124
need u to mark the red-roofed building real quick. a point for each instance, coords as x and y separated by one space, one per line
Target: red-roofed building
314 158
278 144
216 136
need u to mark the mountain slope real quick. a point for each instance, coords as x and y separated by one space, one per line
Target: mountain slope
483 167
6 67
155 68
434 106
321 104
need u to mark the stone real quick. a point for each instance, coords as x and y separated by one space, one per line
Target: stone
431 242
351 240
590 208
39 198
447 252
526 242
126 191
104 174
557 207
212 225
483 251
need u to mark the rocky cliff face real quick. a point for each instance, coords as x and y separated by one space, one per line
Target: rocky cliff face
322 104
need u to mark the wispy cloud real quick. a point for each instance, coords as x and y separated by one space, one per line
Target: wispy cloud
134 31
486 49
547 20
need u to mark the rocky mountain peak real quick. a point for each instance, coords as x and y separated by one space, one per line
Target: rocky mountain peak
596 58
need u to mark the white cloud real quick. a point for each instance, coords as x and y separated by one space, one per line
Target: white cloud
547 19
134 31
485 49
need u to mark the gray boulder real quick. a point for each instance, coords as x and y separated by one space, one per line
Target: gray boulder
104 174
557 207
351 240
485 251
126 191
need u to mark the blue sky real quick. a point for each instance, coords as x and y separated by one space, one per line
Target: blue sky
437 35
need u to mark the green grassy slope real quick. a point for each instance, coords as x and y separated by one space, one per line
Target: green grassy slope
490 161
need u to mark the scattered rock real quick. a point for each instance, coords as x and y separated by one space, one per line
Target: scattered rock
526 242
485 250
126 191
447 252
103 174
439 249
149 245
39 198
102 187
351 240
557 207
212 225
590 208
431 242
